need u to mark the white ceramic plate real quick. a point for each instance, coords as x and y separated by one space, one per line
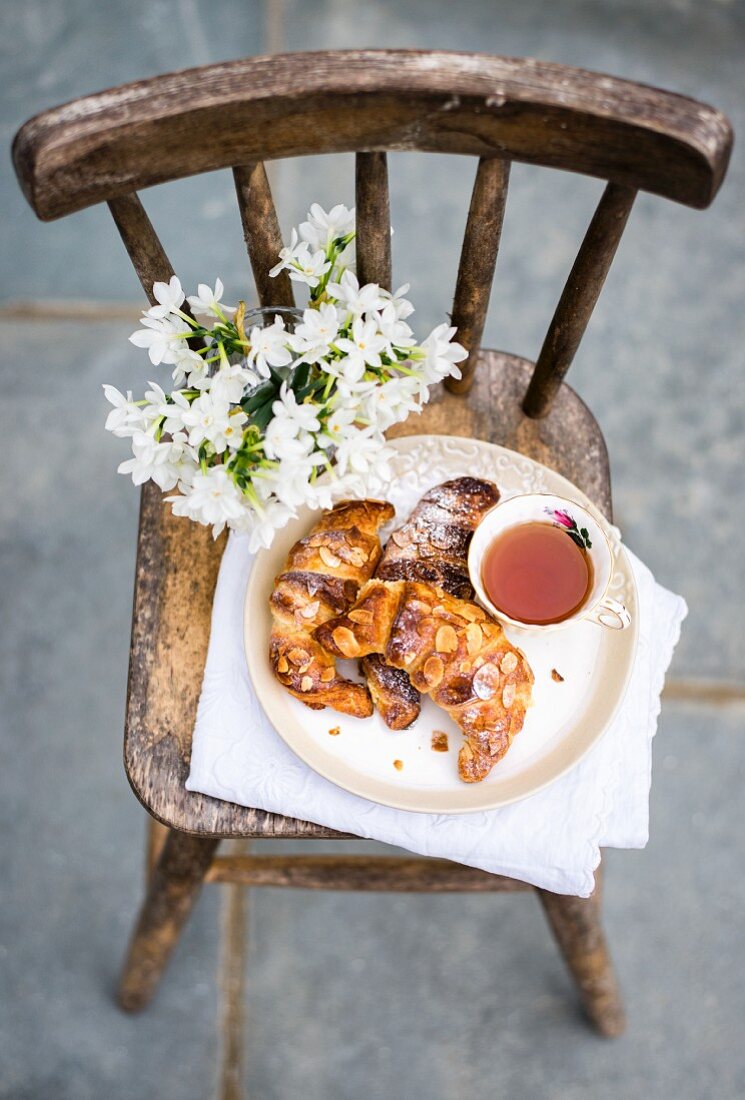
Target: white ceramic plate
566 718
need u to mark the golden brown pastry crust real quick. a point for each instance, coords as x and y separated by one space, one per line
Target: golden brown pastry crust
452 651
321 579
432 546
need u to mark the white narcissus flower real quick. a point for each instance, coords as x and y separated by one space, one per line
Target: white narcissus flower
441 355
169 296
269 347
363 349
188 366
262 526
164 339
363 452
391 402
303 416
159 462
209 418
396 332
207 300
401 306
313 337
354 298
322 228
302 265
126 417
288 432
291 480
212 498
230 383
336 426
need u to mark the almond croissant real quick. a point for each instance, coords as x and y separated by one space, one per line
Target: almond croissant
432 546
452 651
322 576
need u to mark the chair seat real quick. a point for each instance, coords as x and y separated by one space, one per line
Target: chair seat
177 565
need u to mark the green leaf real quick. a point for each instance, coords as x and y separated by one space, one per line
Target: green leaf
300 378
267 391
576 538
262 416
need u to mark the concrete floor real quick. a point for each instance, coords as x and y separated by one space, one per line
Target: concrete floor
369 996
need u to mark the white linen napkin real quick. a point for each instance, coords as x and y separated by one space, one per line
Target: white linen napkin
551 839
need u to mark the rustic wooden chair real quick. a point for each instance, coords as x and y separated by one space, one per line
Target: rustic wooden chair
108 147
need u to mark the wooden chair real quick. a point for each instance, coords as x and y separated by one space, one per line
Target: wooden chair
108 147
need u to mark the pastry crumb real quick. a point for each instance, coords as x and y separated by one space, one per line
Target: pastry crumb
335 731
398 765
439 741
556 676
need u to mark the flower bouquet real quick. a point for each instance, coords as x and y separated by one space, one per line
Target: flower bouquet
275 409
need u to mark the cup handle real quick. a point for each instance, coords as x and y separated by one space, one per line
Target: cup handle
610 613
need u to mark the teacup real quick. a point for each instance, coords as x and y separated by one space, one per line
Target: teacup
597 606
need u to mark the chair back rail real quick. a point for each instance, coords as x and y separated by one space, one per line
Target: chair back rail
238 114
373 222
478 259
262 234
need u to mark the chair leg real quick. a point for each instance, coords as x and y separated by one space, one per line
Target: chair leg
171 893
575 923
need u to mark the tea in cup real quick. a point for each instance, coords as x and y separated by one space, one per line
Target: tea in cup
539 561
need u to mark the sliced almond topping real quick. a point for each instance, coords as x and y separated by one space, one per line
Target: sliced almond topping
473 639
357 557
465 667
421 606
466 751
556 676
345 641
282 665
446 640
327 675
486 682
361 615
306 683
306 666
311 610
298 656
402 538
328 558
508 662
470 612
409 657
433 671
508 696
479 662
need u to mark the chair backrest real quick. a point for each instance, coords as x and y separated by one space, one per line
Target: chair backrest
109 146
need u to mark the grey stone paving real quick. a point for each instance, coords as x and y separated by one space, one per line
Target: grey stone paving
352 996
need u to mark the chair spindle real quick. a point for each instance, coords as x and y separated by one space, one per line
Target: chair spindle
262 233
578 298
478 259
373 219
141 242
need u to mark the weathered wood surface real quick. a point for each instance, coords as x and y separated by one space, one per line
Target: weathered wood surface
147 254
173 888
239 112
579 296
478 258
262 234
576 925
177 569
366 873
373 219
